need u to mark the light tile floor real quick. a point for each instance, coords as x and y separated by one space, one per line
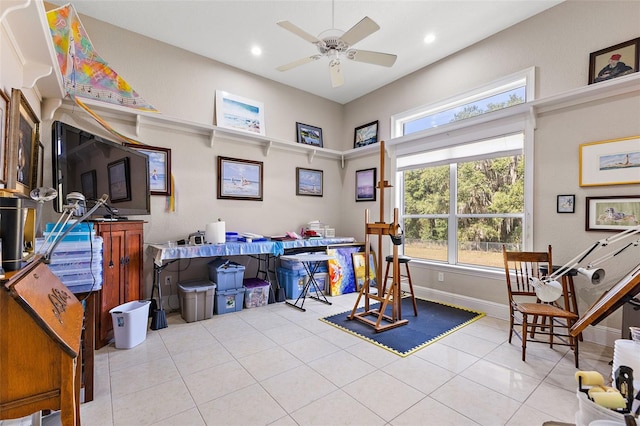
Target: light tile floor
275 365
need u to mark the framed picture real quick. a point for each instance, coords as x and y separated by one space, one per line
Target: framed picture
239 179
566 204
23 142
611 162
159 168
366 135
309 182
359 269
612 213
238 113
88 183
119 180
366 184
614 61
309 135
4 133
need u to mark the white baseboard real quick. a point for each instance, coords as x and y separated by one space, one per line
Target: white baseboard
605 336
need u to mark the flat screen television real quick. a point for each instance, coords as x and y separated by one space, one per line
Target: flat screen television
93 166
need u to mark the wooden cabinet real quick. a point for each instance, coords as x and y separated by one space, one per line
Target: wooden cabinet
122 256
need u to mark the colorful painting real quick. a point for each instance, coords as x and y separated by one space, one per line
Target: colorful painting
359 268
84 72
341 277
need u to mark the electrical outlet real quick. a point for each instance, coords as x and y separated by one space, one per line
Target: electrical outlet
440 276
167 280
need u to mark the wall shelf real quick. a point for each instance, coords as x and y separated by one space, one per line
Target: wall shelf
35 49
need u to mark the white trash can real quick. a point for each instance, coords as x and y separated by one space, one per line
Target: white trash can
130 323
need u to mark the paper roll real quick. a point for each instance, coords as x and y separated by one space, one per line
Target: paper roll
215 233
590 378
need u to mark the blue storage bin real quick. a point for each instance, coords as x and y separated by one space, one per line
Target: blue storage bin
226 274
229 301
293 281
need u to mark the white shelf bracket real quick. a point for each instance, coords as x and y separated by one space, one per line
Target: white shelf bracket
213 138
12 8
138 124
311 155
267 148
342 160
49 107
33 72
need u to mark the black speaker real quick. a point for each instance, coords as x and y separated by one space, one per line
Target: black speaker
12 232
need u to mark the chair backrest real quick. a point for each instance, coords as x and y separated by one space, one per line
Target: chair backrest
519 266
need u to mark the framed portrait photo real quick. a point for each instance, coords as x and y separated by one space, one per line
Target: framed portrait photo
566 204
159 168
119 180
22 146
238 113
615 61
366 134
239 179
366 184
309 182
309 135
612 213
610 162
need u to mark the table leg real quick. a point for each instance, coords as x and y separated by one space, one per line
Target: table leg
311 268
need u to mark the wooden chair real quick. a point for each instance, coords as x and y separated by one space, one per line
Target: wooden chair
527 311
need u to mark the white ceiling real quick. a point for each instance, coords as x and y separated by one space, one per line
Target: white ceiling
227 30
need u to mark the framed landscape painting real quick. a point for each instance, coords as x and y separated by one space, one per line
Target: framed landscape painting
309 135
238 113
159 168
612 213
366 134
309 182
610 162
239 179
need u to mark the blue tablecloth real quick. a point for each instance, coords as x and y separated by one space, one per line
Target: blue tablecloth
162 252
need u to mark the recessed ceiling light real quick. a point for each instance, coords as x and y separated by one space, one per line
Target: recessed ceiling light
429 38
256 51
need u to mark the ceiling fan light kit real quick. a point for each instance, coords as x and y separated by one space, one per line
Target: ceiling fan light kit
335 44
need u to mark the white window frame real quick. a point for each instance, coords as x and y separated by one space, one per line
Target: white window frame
516 119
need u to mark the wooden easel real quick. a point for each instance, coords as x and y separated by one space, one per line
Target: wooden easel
393 295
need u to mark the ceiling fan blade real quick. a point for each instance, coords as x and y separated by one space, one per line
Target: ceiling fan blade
337 79
298 63
376 58
359 31
299 32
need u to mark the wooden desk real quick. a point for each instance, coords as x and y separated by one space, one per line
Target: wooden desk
40 357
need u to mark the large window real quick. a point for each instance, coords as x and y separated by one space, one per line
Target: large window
465 189
463 212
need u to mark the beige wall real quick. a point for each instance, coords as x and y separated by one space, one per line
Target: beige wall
182 85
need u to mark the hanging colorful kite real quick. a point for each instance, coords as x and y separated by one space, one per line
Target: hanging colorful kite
84 72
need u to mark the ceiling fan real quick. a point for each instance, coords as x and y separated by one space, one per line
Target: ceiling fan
336 44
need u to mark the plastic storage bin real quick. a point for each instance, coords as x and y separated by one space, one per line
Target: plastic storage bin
293 281
196 299
130 323
225 274
82 232
256 292
589 411
229 301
